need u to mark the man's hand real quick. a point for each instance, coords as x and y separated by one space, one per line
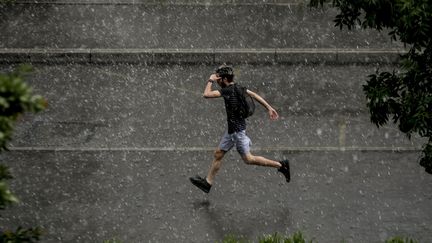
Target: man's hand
214 77
273 114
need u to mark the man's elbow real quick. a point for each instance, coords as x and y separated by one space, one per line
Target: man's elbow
211 94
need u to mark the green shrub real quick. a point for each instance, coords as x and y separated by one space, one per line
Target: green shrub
16 98
274 238
234 239
277 238
21 235
296 238
401 240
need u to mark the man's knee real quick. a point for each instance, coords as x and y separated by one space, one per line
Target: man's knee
248 158
218 154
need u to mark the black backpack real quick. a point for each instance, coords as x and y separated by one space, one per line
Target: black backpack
247 105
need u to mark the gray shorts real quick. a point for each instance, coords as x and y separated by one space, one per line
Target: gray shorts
239 139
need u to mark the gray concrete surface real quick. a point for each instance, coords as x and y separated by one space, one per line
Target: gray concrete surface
201 56
158 105
146 196
111 157
148 26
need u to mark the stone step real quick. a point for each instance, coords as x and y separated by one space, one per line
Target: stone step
154 26
202 56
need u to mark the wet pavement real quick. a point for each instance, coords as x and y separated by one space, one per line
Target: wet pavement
91 196
111 157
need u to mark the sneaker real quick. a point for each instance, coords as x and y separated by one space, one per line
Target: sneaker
285 169
201 183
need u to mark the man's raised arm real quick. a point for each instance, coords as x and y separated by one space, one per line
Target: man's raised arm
208 92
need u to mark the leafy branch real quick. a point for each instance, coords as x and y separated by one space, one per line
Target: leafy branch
405 96
16 98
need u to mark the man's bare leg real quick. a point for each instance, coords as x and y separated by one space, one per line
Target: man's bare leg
282 166
259 160
215 166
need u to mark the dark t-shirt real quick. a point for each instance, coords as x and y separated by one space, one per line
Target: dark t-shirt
235 122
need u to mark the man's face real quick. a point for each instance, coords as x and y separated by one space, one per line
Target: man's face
220 81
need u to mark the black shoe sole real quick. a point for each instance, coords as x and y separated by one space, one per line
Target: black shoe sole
285 169
199 185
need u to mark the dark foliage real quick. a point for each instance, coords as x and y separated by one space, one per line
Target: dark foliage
21 235
404 96
16 98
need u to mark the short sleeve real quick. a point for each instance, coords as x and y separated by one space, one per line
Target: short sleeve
224 92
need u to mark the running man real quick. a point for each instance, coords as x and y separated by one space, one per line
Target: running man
236 133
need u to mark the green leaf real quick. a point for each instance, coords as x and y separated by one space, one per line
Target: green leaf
16 98
6 196
5 173
21 235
